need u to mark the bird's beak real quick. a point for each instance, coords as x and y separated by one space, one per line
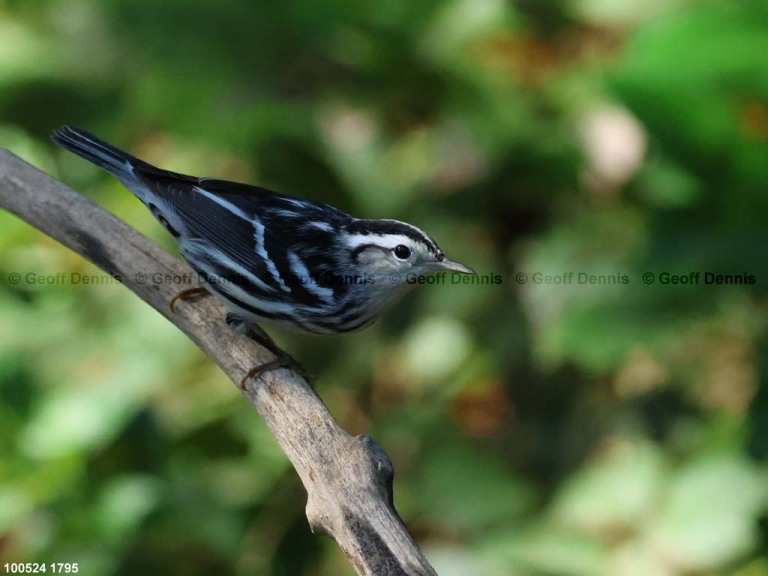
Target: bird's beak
454 267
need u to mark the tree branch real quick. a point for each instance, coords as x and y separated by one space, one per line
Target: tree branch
348 479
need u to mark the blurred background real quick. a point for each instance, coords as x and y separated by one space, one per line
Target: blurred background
538 426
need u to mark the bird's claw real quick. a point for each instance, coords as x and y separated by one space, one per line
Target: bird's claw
283 360
185 295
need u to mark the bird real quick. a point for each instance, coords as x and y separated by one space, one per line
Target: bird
270 257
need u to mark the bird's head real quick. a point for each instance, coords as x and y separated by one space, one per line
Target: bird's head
391 252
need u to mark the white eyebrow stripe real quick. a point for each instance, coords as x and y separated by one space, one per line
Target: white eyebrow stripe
228 206
384 240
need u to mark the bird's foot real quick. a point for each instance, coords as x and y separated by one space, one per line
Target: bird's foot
283 360
185 295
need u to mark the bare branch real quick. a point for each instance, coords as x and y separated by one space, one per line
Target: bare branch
348 479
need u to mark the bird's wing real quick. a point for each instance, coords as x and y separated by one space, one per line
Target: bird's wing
225 228
237 227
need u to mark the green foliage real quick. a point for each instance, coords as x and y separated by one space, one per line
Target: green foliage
538 425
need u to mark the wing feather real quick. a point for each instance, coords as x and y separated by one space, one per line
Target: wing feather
263 232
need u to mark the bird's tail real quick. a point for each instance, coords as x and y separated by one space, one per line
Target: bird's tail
95 150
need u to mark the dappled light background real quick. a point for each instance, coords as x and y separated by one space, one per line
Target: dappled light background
565 416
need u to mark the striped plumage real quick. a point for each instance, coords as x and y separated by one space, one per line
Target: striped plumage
274 257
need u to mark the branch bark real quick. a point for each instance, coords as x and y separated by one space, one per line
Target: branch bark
348 479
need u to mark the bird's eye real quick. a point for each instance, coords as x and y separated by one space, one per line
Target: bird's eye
402 252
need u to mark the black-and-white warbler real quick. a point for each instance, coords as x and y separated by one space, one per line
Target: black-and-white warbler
273 257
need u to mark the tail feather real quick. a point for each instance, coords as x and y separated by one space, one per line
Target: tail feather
95 150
